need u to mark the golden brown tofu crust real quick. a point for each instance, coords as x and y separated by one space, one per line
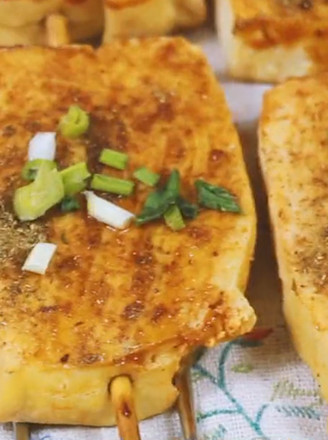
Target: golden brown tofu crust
138 280
294 156
113 299
272 22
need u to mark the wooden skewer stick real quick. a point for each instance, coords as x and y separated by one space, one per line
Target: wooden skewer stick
185 405
21 431
57 30
122 397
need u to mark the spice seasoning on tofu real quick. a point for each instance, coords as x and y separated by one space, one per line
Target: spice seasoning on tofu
17 238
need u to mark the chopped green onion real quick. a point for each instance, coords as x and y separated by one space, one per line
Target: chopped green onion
146 176
74 178
39 258
114 159
173 218
188 210
215 197
173 184
69 204
106 212
113 185
33 200
42 146
158 202
74 123
31 168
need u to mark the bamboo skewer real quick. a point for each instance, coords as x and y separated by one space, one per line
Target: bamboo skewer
57 30
185 405
122 397
121 388
21 431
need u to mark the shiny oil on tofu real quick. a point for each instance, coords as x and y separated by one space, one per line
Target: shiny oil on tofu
132 302
271 40
294 160
129 18
22 22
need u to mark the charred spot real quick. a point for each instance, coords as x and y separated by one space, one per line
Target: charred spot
48 309
175 148
105 133
159 312
63 308
8 131
164 112
306 4
168 52
32 125
200 234
143 258
64 359
133 310
91 358
69 263
135 358
217 155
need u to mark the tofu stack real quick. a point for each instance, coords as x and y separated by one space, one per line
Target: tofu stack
294 159
271 40
135 302
135 18
23 22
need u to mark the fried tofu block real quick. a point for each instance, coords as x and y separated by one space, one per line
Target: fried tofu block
129 18
271 40
22 22
294 156
134 302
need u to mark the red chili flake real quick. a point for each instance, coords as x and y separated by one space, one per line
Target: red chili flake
258 334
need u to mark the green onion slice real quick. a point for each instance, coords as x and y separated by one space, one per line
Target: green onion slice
113 185
158 202
114 159
146 176
74 178
74 123
216 197
188 209
69 204
33 200
173 218
32 167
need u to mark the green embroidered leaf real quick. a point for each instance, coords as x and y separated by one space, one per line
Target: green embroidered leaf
242 368
305 412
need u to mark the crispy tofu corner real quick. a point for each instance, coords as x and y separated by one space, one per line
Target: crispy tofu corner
126 18
273 40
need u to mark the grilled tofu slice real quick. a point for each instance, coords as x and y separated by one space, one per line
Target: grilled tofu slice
22 22
133 302
271 40
135 18
294 157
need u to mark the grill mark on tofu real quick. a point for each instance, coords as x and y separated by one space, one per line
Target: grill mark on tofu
107 295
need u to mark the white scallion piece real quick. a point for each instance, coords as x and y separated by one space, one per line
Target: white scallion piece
39 258
42 146
107 212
